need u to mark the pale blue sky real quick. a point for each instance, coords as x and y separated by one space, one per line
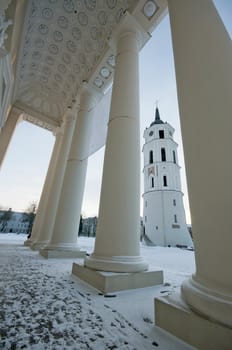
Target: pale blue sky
24 169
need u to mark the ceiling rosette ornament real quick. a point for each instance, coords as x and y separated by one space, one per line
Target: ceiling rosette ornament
57 36
111 3
43 29
90 4
47 13
68 6
82 18
62 22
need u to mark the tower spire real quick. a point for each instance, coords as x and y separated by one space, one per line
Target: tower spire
157 116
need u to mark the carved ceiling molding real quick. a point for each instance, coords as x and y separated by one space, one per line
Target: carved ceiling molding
36 118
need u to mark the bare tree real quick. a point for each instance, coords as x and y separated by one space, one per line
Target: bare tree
29 216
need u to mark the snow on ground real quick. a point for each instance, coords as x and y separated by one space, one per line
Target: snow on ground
42 306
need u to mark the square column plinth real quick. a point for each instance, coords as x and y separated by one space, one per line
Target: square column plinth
173 315
108 282
62 254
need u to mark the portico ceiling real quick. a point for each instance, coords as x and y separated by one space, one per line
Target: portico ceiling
63 43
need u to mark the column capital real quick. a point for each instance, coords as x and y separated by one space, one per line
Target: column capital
88 96
58 131
129 25
70 116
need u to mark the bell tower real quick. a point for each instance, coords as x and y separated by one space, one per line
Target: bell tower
163 213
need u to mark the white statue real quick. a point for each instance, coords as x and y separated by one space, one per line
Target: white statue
4 24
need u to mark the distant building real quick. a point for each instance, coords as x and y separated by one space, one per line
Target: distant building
88 227
15 222
164 215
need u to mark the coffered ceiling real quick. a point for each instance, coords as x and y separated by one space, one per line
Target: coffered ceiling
65 42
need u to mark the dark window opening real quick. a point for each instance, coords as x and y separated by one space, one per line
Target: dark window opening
152 182
174 202
151 157
161 134
175 219
165 181
174 157
163 155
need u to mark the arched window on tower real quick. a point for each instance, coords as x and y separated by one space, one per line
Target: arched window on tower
174 157
151 157
163 154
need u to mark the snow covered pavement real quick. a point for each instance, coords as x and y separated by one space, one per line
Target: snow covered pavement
42 306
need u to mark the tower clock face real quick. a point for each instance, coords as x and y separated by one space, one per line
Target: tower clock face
151 133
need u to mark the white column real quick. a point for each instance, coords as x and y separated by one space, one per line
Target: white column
118 231
45 192
65 230
46 226
203 61
7 133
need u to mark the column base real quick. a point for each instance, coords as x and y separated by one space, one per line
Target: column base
62 251
108 282
207 302
28 243
173 315
116 263
38 245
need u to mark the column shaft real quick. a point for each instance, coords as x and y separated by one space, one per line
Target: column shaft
47 224
65 230
117 238
203 56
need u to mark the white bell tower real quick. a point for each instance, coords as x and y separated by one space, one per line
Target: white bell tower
163 213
